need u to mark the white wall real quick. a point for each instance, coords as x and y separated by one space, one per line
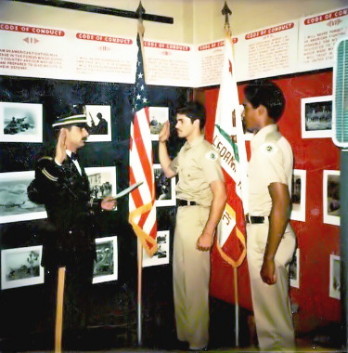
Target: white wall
195 21
180 10
248 15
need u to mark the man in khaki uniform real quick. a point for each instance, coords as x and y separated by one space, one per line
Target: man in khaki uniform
201 200
270 240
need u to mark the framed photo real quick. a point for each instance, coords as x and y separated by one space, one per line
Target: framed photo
316 117
14 202
158 116
164 187
99 121
331 197
294 270
335 277
21 267
20 122
106 265
102 181
298 198
161 257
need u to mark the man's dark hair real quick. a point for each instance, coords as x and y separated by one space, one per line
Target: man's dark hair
194 111
268 94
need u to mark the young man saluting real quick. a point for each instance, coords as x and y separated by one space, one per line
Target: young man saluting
201 201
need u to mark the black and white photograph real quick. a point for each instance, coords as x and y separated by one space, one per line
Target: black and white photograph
20 122
21 267
161 257
331 197
158 116
15 205
294 270
316 117
99 121
164 188
298 198
335 277
106 263
102 181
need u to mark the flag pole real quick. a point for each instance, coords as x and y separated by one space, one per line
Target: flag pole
140 11
227 12
59 311
139 296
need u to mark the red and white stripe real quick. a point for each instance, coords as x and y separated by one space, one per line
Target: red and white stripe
142 209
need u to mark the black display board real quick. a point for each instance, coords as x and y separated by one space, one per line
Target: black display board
22 312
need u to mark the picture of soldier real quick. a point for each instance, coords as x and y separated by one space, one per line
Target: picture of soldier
21 267
316 117
164 188
20 122
17 125
158 116
106 262
298 198
333 195
102 181
162 185
99 122
161 256
99 126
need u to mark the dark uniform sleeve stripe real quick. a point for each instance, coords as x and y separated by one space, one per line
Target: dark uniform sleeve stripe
48 175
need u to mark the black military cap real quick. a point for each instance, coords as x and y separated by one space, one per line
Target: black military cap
74 116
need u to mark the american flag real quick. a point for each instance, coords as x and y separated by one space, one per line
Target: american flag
142 210
231 234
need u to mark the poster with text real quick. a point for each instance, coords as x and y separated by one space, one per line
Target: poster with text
317 37
267 52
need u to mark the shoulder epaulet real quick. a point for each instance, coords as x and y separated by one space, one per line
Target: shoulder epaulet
44 159
273 136
46 169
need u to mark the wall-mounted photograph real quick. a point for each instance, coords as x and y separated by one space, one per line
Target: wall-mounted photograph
161 257
15 205
294 270
331 197
158 116
335 277
102 181
99 121
298 198
106 263
21 267
316 117
164 188
20 122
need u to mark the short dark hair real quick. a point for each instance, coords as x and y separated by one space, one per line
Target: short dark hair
193 110
266 93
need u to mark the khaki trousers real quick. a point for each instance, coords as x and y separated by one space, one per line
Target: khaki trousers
191 274
271 303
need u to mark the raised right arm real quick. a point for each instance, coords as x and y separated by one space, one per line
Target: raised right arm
163 151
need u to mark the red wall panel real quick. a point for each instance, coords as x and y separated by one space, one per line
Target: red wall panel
316 240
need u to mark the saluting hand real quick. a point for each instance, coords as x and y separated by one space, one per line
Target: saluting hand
61 146
164 133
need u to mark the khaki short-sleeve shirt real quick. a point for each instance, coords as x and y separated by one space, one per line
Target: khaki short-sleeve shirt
271 162
197 165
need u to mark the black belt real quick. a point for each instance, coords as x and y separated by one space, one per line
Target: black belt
186 203
256 219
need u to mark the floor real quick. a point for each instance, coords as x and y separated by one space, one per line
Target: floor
158 335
